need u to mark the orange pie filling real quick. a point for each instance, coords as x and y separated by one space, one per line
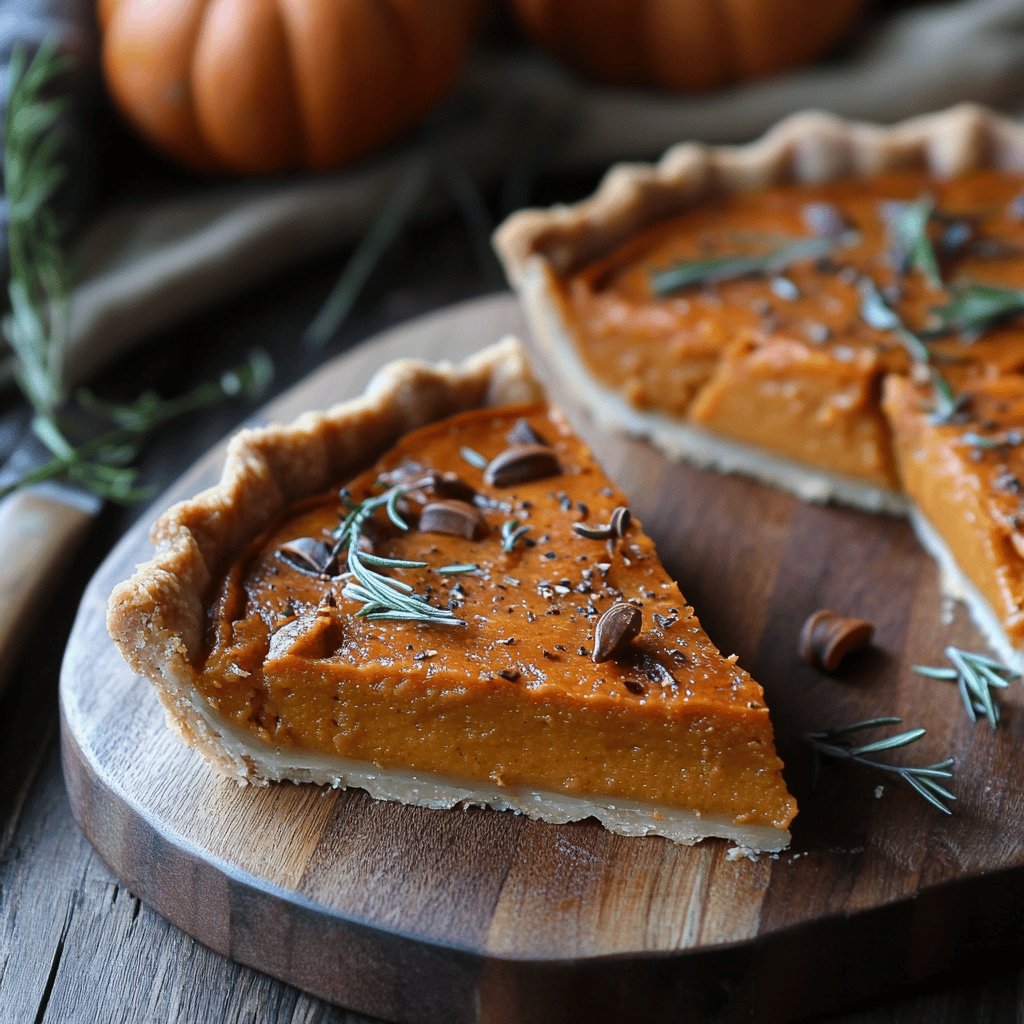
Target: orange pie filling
788 357
494 680
760 331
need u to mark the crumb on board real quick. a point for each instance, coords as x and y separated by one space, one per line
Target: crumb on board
739 852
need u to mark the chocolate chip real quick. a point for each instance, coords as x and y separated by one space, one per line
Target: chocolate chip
827 637
452 517
521 463
616 630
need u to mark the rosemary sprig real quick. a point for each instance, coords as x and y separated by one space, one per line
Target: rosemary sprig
974 308
458 568
40 281
511 532
908 229
975 676
923 779
37 325
103 464
877 313
726 268
384 597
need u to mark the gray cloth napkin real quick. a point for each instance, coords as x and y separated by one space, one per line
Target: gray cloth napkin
147 266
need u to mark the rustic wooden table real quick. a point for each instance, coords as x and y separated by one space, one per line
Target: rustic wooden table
75 945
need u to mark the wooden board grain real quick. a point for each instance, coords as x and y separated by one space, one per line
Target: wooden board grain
434 916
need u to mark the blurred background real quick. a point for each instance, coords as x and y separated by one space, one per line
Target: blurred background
205 153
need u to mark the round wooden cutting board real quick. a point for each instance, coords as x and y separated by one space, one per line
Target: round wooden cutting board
447 916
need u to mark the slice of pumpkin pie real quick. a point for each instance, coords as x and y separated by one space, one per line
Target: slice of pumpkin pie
438 596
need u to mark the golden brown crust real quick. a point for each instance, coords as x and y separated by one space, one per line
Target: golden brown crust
156 618
808 148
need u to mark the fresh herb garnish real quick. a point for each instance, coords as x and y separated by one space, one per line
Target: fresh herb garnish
836 743
102 465
726 268
908 228
383 597
973 308
877 313
40 279
455 570
511 531
37 326
975 675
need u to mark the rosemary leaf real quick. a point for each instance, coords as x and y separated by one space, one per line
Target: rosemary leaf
974 308
976 676
724 268
908 228
458 568
891 743
39 283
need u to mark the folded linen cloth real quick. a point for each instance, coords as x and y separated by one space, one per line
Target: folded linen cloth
146 266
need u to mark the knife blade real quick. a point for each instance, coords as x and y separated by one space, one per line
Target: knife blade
41 529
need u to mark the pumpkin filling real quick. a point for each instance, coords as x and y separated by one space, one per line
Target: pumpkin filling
480 605
772 317
967 482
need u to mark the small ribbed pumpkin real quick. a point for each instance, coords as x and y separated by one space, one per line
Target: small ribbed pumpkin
686 45
257 86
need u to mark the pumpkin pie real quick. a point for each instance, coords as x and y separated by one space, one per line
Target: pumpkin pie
435 594
748 307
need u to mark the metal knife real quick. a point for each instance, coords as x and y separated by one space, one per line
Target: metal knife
41 528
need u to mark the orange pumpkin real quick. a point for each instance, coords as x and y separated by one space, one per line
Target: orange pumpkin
686 45
258 86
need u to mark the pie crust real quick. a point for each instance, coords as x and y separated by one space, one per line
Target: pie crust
158 617
540 248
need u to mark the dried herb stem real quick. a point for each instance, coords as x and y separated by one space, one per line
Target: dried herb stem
877 313
923 779
713 269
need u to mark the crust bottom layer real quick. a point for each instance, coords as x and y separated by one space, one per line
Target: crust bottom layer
251 762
